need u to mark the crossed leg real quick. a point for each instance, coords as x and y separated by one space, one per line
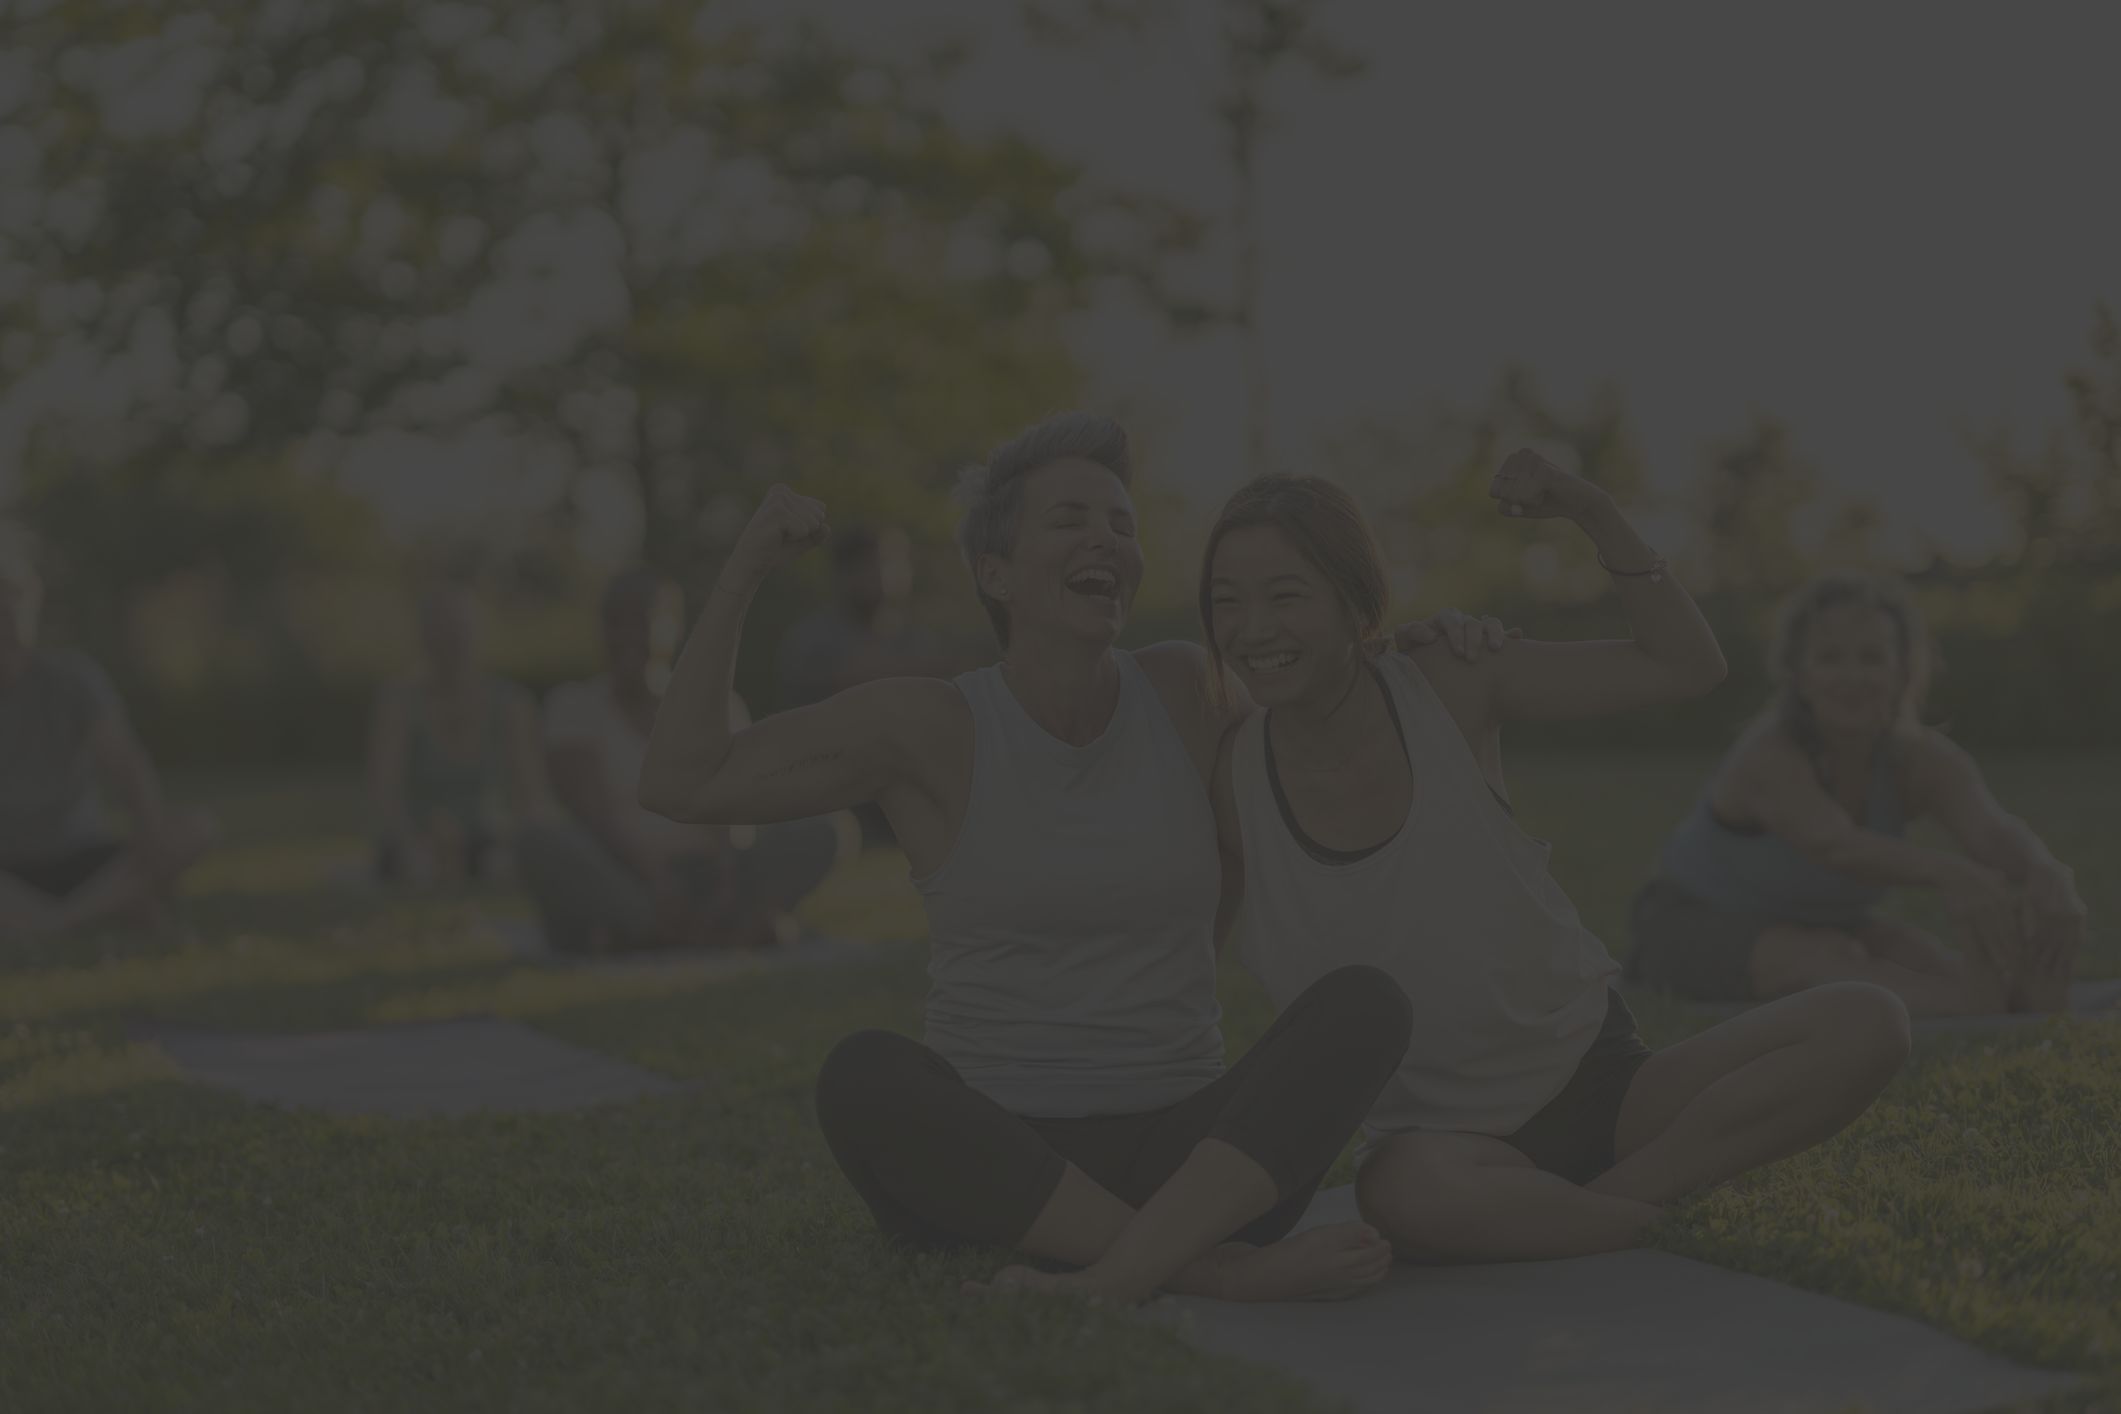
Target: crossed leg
1758 1087
1214 1180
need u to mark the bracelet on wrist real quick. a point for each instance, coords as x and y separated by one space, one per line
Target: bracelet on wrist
1654 574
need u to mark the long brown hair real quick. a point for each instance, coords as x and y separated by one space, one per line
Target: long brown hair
1327 528
1793 630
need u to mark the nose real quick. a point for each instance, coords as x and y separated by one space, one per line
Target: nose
1254 626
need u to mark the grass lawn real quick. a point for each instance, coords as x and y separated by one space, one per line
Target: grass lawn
166 1246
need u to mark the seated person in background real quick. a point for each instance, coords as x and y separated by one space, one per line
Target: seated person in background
867 633
627 878
1771 883
65 744
444 746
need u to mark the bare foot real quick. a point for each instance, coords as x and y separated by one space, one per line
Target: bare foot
1324 1264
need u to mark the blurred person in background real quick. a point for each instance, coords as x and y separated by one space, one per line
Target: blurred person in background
1771 883
66 747
867 632
626 878
447 746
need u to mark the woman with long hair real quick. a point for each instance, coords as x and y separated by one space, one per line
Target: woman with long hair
1366 814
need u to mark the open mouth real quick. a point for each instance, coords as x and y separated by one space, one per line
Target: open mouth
1095 583
1267 664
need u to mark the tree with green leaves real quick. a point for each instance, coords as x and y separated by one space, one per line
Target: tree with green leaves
2064 496
698 251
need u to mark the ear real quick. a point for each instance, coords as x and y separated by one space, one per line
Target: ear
992 574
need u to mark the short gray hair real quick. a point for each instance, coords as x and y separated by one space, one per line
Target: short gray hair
992 493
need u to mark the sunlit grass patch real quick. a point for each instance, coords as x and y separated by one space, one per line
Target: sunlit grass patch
245 962
1979 1194
168 1245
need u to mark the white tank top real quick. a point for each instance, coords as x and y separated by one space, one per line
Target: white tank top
1073 926
1508 986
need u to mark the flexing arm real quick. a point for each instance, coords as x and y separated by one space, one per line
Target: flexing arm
809 761
1673 653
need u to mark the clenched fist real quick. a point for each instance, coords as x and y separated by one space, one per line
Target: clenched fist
1529 485
784 526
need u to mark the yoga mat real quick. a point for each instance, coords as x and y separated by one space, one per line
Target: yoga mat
2097 1000
469 1066
1641 1332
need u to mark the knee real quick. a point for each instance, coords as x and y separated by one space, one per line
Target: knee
860 1076
1368 1009
1865 1024
1402 1191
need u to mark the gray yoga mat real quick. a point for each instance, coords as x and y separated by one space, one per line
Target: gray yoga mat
524 939
2097 1000
469 1066
1641 1332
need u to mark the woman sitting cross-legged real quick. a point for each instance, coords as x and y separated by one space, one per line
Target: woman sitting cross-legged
1365 818
1069 1097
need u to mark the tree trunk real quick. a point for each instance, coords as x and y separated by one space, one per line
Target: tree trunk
1244 153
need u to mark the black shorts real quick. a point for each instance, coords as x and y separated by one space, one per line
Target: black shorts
61 874
1572 1136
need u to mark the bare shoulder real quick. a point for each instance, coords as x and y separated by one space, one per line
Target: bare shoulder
1462 686
1184 675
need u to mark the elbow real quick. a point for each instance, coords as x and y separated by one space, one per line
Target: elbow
654 794
1837 852
658 789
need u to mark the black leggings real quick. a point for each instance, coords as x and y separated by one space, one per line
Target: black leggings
941 1165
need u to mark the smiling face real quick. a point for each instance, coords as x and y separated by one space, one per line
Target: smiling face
1076 563
1276 619
1851 673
